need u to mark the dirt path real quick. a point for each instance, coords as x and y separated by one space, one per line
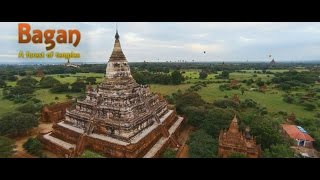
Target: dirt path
20 152
183 150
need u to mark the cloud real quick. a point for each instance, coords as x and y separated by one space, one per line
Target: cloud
8 55
8 37
245 39
212 48
132 38
173 41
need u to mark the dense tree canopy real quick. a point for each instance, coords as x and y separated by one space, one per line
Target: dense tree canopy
176 77
49 82
17 123
60 88
78 86
33 146
290 79
30 107
202 145
169 153
6 147
203 75
27 81
2 83
91 80
278 151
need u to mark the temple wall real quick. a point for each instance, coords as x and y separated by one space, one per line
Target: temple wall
65 134
58 150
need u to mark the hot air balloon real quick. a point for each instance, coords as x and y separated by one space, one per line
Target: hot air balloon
204 52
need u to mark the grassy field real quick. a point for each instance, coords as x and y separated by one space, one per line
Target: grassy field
47 97
168 89
272 101
6 105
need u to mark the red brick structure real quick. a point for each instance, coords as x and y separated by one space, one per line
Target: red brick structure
233 83
291 118
235 98
233 141
40 73
54 113
120 118
263 88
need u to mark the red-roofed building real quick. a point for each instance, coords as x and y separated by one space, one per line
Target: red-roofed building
298 134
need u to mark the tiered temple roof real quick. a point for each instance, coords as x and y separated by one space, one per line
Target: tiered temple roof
235 141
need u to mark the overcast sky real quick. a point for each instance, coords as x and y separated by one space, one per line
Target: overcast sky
170 41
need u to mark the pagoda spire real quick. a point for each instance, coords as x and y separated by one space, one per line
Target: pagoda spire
234 127
117 65
117 54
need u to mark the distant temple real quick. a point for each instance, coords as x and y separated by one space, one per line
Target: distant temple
272 62
40 73
234 83
233 141
69 64
263 88
120 118
235 98
291 118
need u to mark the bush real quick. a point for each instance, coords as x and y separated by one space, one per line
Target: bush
7 147
30 107
169 153
60 88
17 123
309 106
288 99
28 82
49 82
278 151
202 145
203 75
33 146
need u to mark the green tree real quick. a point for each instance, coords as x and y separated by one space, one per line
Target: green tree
278 151
6 147
224 75
28 81
266 130
203 75
33 146
30 107
188 99
169 153
91 80
215 120
60 88
2 83
309 106
17 123
176 77
49 82
78 86
195 115
202 145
